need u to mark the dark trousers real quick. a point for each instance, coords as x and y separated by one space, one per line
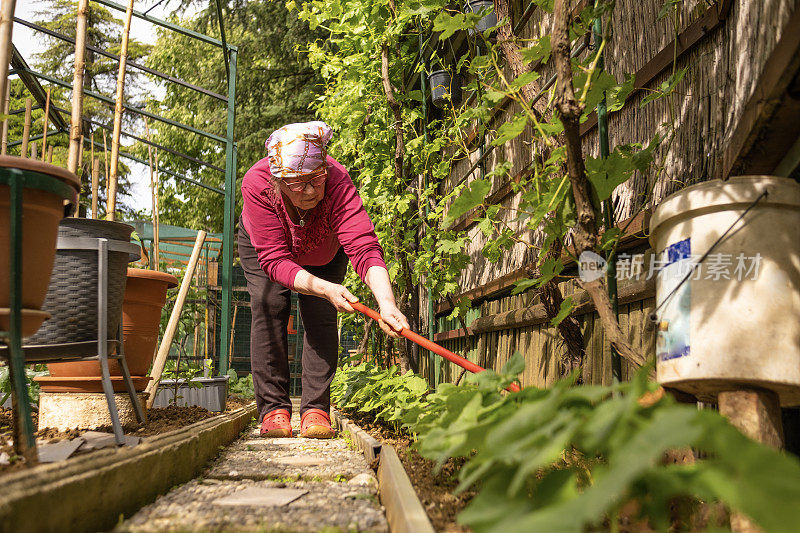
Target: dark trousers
270 304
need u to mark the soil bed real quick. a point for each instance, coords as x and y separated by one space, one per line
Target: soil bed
159 420
434 488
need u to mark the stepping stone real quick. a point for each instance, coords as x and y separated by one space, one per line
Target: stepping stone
59 451
259 496
96 440
300 460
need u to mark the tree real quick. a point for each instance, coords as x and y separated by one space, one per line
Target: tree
275 85
104 32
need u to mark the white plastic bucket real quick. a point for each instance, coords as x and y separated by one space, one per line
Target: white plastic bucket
736 321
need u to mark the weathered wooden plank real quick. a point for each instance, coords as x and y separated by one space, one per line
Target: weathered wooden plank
587 326
628 292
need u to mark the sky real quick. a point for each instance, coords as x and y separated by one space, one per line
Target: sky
29 42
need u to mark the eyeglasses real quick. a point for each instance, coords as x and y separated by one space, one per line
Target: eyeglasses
316 181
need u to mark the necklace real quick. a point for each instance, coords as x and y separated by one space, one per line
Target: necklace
303 216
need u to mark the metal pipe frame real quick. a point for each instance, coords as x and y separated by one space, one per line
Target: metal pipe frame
169 25
115 57
162 170
151 143
230 213
127 107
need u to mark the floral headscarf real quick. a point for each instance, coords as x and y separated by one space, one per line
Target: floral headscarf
298 149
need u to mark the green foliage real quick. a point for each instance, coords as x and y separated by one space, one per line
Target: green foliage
33 386
575 458
384 393
275 85
104 31
240 386
470 197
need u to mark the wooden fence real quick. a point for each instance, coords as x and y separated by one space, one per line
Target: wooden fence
500 327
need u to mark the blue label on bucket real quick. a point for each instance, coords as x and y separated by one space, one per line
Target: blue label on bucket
675 301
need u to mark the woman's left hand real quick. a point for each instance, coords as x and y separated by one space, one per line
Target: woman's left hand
392 320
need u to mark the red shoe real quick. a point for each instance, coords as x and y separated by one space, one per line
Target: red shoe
277 423
316 424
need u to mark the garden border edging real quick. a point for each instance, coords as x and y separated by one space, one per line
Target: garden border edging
404 511
89 493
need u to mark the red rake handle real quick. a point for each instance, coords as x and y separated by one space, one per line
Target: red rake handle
428 345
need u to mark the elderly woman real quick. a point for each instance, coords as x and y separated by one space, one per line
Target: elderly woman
301 221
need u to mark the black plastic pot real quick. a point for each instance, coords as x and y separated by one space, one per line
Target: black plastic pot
444 87
72 294
488 21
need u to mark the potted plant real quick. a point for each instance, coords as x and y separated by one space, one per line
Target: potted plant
445 87
489 19
42 210
72 301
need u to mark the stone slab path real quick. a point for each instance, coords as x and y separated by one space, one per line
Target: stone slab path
272 485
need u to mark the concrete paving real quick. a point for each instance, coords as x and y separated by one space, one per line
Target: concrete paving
270 485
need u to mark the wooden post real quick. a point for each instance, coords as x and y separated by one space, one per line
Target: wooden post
50 153
75 138
6 101
123 59
6 27
757 414
172 325
95 183
44 130
34 153
26 127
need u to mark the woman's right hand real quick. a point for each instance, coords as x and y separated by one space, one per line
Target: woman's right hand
340 297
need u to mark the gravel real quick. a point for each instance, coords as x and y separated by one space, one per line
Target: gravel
342 491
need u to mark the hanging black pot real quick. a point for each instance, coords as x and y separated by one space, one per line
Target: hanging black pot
444 87
488 21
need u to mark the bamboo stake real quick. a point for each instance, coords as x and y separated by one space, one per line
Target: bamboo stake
105 154
95 183
172 325
46 116
75 137
49 154
80 153
233 334
4 144
153 193
26 128
123 59
6 27
34 154
157 212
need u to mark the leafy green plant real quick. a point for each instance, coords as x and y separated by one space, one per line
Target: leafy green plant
240 386
575 458
33 386
386 394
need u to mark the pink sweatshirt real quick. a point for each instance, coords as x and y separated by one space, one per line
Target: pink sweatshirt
338 220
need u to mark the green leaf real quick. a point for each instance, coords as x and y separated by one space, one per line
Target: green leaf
606 174
470 197
524 79
539 51
563 312
448 24
616 96
514 366
523 285
511 130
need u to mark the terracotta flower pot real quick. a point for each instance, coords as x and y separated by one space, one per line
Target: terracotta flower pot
145 296
41 213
